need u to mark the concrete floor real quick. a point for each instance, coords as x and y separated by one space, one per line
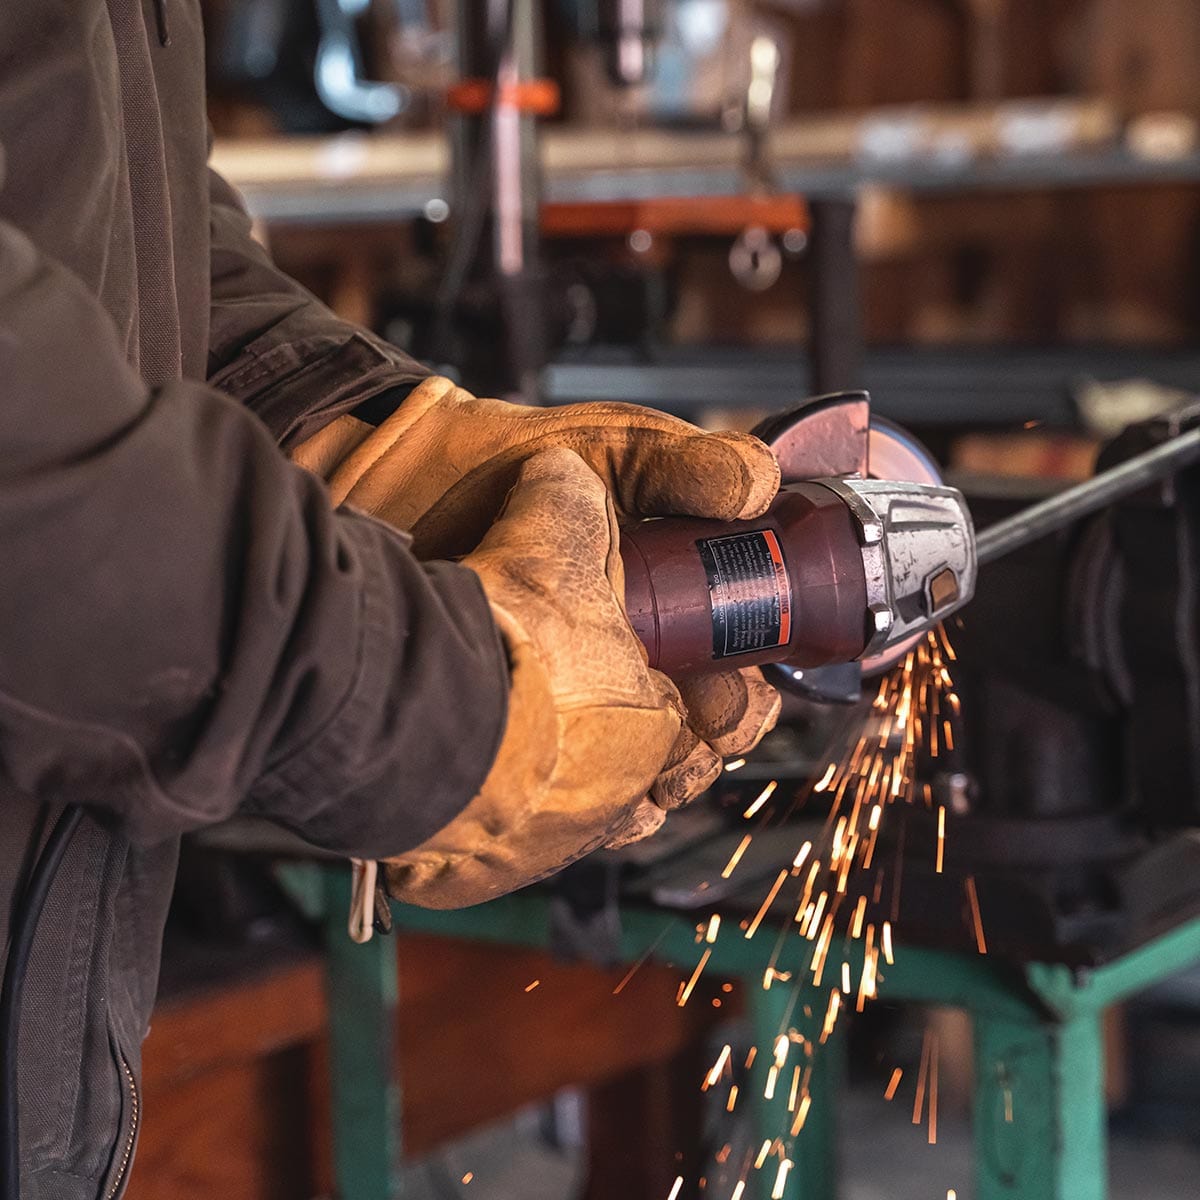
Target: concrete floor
883 1158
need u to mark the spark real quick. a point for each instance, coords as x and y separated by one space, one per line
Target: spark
530 986
782 1045
976 917
822 950
870 971
933 1092
839 846
951 1194
761 799
944 639
922 1074
1008 1106
735 764
781 1179
815 921
752 929
826 779
691 983
860 912
731 865
468 1177
737 1191
677 1188
838 881
718 1067
641 962
831 1014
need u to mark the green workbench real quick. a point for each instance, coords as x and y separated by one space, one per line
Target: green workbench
1039 1111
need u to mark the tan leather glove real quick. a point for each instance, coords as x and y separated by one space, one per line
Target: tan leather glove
590 726
442 464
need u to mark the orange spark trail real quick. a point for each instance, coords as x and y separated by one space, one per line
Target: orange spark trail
976 917
691 983
736 858
752 929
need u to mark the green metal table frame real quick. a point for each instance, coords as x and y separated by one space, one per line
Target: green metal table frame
1039 1116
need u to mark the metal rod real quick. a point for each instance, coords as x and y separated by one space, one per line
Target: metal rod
1122 480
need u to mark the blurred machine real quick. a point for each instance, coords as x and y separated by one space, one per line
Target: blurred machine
1074 781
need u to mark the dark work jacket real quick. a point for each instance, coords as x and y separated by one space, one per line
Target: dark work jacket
187 629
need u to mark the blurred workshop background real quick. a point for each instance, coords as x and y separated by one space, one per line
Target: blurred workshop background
986 212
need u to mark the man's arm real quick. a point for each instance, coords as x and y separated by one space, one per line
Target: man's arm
185 623
279 350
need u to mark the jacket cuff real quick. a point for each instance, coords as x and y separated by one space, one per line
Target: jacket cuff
420 726
298 385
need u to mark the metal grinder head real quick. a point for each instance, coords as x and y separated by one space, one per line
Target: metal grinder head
862 552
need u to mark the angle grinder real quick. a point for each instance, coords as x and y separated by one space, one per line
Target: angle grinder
861 553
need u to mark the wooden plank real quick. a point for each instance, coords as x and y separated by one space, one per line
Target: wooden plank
216 1027
475 1045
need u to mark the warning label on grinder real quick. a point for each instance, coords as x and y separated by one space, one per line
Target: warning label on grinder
749 590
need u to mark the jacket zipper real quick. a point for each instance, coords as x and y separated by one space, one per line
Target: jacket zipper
118 1182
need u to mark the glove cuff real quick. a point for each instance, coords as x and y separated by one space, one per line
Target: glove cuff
468 861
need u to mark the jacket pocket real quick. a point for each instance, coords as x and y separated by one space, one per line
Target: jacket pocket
117 1177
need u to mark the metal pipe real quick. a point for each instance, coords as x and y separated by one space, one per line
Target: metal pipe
1122 480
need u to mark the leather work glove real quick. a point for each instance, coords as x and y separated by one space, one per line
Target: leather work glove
442 464
590 726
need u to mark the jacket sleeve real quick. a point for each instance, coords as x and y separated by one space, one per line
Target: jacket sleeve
275 347
186 625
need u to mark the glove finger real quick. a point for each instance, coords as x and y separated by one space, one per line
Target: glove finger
722 476
558 510
645 819
656 465
326 451
692 768
653 471
731 711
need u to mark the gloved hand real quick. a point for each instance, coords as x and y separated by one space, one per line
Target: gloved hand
590 726
442 464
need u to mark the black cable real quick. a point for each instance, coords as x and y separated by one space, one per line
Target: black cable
26 913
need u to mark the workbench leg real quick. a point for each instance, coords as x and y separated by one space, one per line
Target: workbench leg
361 984
813 1150
1039 1119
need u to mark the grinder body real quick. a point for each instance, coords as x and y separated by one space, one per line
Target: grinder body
840 569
